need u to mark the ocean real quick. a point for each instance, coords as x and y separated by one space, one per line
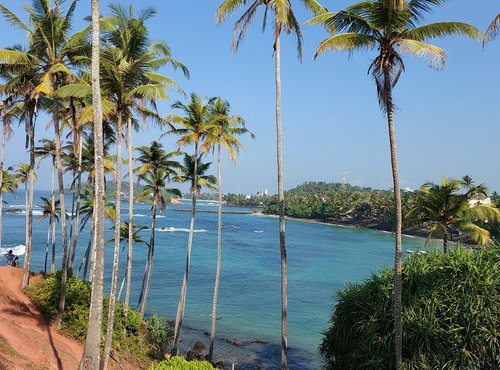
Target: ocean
321 259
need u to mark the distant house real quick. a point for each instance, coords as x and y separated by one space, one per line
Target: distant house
479 202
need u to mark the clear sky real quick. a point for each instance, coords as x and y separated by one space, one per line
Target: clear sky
448 122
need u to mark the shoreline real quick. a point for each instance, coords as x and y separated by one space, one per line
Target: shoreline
409 232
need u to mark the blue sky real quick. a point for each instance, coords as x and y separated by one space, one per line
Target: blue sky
448 122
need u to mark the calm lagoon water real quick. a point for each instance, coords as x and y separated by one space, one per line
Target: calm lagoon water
321 260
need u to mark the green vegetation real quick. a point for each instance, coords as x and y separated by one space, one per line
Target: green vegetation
180 363
446 210
451 315
137 341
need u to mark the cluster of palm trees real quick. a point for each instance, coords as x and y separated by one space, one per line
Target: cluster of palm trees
96 87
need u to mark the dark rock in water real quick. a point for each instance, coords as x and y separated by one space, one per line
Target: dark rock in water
207 333
199 347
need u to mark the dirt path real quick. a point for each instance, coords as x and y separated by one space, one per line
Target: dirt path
26 340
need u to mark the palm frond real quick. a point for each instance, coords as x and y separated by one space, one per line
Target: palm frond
435 56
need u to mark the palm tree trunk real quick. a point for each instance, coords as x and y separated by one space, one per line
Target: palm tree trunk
47 245
144 278
29 204
130 217
445 242
281 202
182 300
219 261
71 223
53 259
64 272
398 331
150 258
2 160
116 253
90 358
78 190
86 258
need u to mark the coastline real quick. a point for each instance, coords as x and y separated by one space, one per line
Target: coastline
408 232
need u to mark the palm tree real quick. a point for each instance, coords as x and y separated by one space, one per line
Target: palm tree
91 354
192 128
87 211
5 106
136 238
156 169
392 31
51 211
284 21
24 176
226 128
9 183
444 207
129 68
193 172
48 150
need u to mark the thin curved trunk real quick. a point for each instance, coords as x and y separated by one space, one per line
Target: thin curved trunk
398 331
182 300
116 253
130 217
91 355
150 258
51 218
76 216
219 261
71 225
29 204
2 160
53 205
87 258
144 278
64 273
281 202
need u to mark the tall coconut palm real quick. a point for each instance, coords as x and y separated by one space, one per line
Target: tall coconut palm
283 21
91 354
445 207
393 31
129 68
48 151
51 211
156 170
87 211
192 129
136 238
226 128
24 176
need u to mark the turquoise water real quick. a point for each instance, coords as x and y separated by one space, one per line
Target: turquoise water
321 260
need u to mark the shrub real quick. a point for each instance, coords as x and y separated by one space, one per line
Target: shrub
451 316
158 335
45 294
180 363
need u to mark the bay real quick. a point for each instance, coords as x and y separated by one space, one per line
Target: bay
321 259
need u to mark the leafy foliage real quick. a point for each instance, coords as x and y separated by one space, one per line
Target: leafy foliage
45 294
158 335
180 363
451 311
